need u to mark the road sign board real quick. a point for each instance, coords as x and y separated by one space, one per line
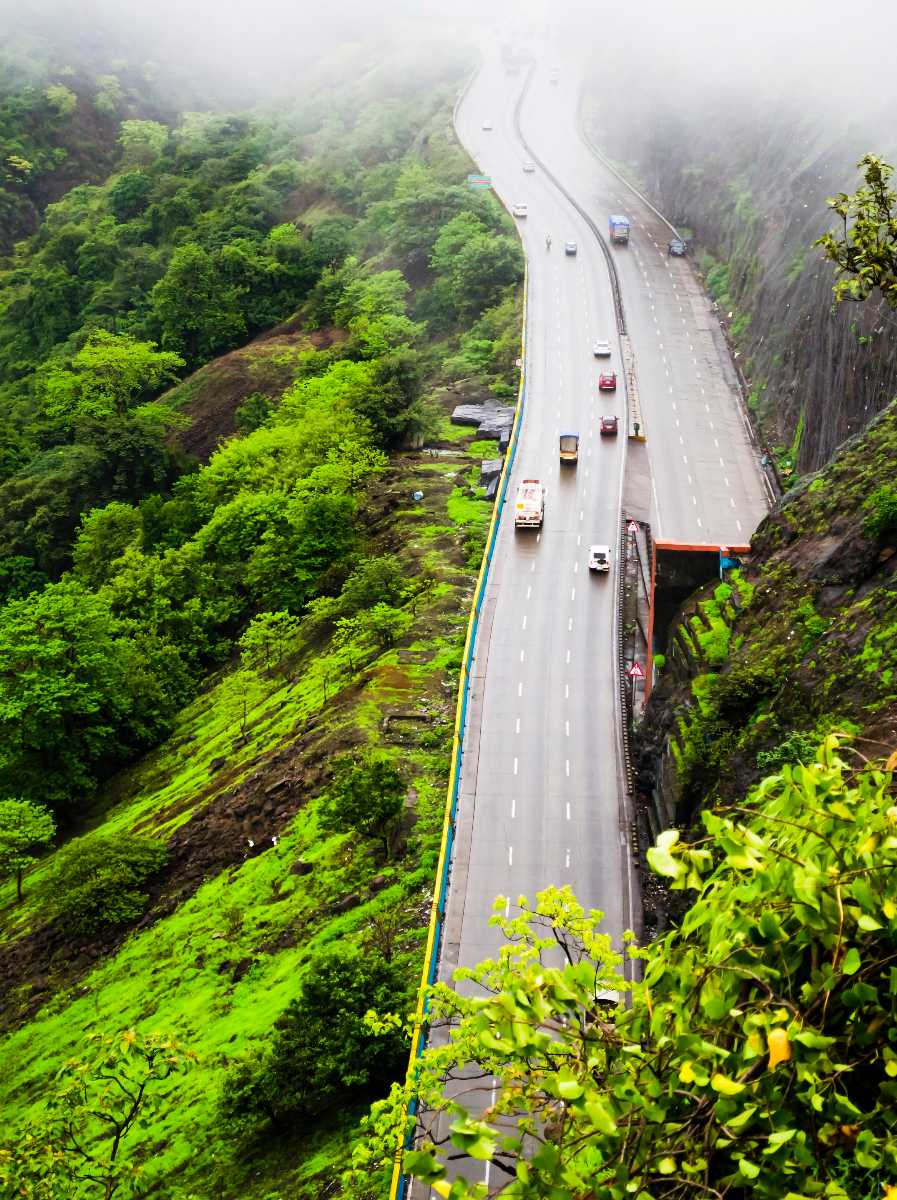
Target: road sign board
635 671
632 527
479 181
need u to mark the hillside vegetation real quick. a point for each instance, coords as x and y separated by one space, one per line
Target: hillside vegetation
234 607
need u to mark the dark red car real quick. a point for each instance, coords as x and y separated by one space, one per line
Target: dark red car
609 426
607 381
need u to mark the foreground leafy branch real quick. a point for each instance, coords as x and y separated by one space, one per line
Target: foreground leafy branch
759 1052
75 1149
865 252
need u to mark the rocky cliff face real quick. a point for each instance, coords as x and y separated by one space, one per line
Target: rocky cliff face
803 642
748 182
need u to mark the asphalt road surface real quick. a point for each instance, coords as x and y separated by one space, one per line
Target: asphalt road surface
541 783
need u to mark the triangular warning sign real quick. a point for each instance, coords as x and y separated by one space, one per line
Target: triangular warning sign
635 671
632 527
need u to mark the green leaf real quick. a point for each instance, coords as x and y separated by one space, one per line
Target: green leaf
660 858
569 1089
813 1040
423 1165
777 1139
748 1169
868 923
741 1118
725 1086
667 1165
600 1117
852 961
770 927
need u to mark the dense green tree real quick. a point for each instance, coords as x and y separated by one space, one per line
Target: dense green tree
106 377
288 564
41 505
380 626
331 241
105 534
373 581
19 577
179 598
267 637
393 404
25 829
62 99
99 882
129 195
196 311
142 142
384 293
75 694
323 1053
51 303
366 797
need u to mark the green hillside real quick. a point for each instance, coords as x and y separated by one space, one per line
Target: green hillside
235 600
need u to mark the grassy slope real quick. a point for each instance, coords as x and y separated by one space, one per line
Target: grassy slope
219 969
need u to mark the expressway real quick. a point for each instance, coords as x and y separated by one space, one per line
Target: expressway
541 776
542 797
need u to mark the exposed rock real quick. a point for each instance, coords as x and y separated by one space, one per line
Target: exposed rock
490 468
491 418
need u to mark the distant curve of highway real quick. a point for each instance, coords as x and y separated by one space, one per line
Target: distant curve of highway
542 793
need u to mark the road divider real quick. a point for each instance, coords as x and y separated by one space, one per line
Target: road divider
636 425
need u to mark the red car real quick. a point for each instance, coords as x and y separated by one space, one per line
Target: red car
609 426
607 382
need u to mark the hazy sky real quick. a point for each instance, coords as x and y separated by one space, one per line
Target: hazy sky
815 52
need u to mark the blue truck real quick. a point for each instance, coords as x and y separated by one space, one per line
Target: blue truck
618 228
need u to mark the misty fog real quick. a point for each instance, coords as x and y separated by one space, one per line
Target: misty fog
804 55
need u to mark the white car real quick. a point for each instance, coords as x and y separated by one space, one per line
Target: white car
599 558
570 248
601 348
487 124
529 167
519 210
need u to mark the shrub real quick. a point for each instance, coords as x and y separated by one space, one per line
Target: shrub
366 797
881 514
99 882
322 1052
